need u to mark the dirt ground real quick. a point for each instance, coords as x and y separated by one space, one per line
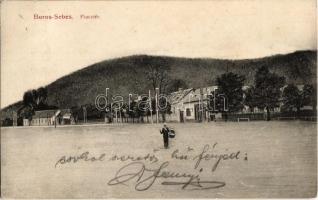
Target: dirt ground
269 159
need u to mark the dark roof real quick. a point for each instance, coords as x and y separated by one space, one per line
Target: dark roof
65 111
190 95
177 96
199 93
44 113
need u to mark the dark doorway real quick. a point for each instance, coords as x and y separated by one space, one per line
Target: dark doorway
181 116
198 113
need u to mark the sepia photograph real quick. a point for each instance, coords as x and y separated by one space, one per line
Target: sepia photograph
158 99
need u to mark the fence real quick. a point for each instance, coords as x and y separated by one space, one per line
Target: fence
237 117
263 116
244 116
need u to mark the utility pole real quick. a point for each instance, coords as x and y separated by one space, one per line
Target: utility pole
106 103
120 119
150 105
157 108
55 121
129 104
105 119
84 114
116 116
201 105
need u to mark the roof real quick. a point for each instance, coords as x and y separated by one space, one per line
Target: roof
51 113
65 112
195 94
176 97
199 94
44 113
67 116
190 95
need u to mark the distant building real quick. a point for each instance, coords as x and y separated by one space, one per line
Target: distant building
190 104
50 117
177 107
43 118
15 118
65 117
26 122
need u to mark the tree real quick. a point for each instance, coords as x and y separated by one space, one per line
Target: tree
26 112
309 96
28 99
217 102
249 99
134 111
42 95
158 75
176 84
230 85
35 98
164 108
292 98
267 89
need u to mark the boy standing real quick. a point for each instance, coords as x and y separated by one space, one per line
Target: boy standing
165 133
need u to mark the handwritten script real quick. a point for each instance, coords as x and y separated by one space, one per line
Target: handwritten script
146 177
143 171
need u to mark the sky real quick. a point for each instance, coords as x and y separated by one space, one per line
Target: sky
36 52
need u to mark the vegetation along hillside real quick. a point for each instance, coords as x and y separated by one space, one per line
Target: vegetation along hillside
134 74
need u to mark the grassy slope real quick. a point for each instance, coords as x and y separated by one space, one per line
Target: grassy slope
127 75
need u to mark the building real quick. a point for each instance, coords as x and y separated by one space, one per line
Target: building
177 107
43 118
50 118
65 117
26 122
190 104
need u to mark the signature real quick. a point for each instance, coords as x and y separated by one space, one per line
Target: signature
145 177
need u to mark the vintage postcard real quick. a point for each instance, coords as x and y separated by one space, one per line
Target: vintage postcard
159 99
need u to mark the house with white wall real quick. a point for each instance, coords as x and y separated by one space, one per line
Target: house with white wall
50 117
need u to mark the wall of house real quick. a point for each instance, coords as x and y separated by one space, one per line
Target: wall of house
189 112
41 122
175 114
26 122
177 110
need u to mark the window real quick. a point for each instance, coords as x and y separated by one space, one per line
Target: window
188 112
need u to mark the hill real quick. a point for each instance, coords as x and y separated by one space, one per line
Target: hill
128 75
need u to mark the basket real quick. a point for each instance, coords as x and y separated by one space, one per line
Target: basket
172 134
